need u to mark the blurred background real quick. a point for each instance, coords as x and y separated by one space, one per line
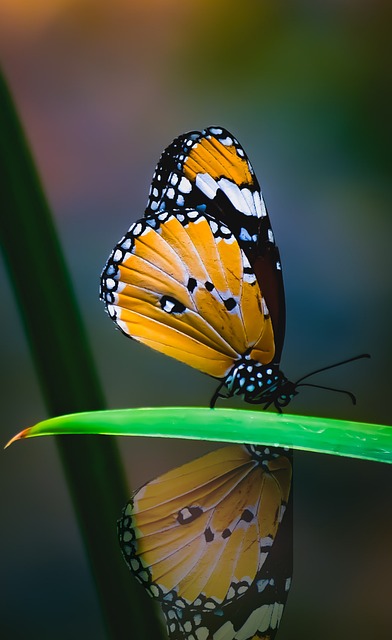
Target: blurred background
305 86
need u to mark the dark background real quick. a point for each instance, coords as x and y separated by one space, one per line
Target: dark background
102 88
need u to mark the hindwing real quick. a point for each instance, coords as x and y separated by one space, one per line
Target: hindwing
181 284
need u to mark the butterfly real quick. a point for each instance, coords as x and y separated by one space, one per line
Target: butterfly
199 278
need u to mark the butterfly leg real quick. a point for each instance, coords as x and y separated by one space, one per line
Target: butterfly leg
217 395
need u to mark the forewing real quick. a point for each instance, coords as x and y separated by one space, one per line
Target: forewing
210 170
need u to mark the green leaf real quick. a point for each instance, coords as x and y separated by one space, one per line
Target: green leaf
320 435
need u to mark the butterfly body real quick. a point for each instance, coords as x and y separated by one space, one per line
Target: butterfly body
258 383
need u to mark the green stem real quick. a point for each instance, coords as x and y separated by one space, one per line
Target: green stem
66 371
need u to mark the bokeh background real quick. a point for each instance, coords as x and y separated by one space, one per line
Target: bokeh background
102 88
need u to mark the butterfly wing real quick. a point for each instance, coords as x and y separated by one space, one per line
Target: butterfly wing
180 283
210 171
201 539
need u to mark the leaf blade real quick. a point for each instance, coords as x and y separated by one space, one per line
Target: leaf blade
321 435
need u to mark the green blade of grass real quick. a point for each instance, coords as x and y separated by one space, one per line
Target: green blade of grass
320 435
65 368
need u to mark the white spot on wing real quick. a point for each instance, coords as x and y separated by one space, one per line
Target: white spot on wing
137 229
234 194
185 513
248 197
216 131
168 306
123 325
276 615
281 512
171 193
259 620
126 244
243 588
226 631
261 211
185 185
213 226
110 283
245 260
266 542
226 141
154 590
242 199
207 185
202 633
249 278
230 593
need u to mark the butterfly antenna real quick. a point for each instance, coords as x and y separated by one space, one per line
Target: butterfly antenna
331 366
318 386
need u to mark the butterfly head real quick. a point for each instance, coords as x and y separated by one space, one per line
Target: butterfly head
257 383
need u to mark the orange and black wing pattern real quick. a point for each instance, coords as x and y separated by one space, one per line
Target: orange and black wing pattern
210 170
211 541
181 288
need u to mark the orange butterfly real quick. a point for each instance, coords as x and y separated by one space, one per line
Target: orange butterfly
199 277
